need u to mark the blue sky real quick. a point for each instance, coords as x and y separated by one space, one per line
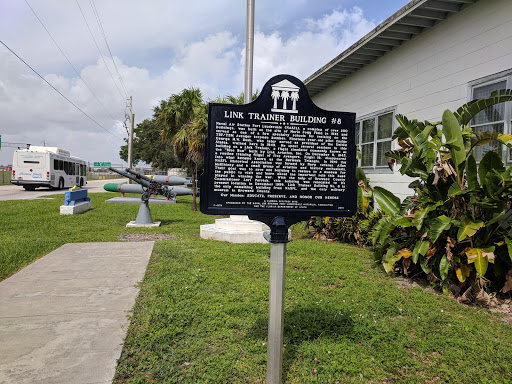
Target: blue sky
159 47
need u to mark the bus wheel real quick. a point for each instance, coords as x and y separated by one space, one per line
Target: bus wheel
29 187
61 183
81 182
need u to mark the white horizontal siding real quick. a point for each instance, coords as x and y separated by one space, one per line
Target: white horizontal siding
429 73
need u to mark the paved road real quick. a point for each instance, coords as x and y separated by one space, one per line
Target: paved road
14 192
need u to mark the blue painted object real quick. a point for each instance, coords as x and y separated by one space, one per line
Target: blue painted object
74 197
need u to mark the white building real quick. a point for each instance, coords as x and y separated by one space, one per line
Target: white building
429 56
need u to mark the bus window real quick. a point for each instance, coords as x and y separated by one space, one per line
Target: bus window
55 164
66 167
81 170
77 169
61 165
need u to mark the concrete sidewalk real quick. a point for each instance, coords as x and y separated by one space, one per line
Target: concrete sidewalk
63 318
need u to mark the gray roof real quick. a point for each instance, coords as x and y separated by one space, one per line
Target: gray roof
410 21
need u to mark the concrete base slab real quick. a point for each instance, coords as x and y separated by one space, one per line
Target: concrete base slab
236 229
133 224
244 225
75 209
64 317
210 231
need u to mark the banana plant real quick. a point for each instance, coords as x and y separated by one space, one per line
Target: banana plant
450 228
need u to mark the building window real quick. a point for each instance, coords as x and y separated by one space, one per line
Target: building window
494 118
373 136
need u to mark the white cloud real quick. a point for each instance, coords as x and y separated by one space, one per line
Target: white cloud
201 52
320 41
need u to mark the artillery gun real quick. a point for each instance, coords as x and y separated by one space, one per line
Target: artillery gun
150 187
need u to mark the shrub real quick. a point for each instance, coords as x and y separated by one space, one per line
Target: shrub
356 229
450 228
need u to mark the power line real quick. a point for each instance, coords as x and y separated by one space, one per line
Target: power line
72 66
101 55
59 92
95 11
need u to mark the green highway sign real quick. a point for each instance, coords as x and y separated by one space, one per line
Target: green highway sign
102 164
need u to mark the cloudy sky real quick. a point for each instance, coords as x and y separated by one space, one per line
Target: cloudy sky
159 47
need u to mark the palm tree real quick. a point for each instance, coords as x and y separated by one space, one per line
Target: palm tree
240 99
182 120
275 95
285 95
178 111
188 144
294 96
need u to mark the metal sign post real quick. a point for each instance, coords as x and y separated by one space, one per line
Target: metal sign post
276 313
278 240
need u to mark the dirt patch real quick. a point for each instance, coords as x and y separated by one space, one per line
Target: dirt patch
495 304
505 307
404 284
137 237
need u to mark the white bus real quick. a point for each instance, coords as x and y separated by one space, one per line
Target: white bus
47 167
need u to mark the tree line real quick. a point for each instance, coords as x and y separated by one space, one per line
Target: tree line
175 135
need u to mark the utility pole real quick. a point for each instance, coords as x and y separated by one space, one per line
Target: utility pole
130 137
277 250
249 51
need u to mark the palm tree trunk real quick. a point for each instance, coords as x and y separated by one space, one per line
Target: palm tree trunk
194 189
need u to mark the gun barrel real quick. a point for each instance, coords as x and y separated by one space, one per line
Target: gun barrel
138 175
141 181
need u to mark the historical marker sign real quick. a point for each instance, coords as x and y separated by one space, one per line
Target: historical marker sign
280 155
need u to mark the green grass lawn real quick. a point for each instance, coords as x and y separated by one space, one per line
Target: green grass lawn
5 177
30 229
202 312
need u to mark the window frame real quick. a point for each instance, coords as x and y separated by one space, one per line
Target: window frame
359 136
507 112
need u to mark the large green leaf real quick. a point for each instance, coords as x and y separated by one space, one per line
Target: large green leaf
420 248
444 267
506 139
438 225
465 113
389 259
388 202
468 228
472 173
360 176
382 228
412 130
423 264
481 264
508 241
413 166
455 190
483 138
481 258
454 140
403 222
490 162
421 214
496 218
396 154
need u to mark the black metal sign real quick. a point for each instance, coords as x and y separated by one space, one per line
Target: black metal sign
280 155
